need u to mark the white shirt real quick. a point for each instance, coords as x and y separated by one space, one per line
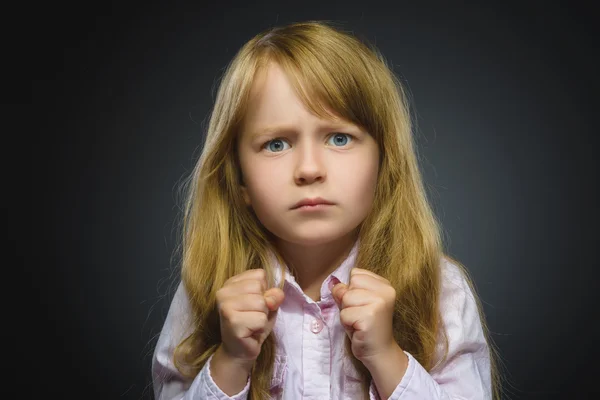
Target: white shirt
310 359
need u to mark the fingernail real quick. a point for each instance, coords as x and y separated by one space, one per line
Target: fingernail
332 282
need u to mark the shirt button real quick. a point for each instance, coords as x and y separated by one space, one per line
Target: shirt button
316 326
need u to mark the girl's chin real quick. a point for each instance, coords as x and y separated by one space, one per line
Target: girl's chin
312 239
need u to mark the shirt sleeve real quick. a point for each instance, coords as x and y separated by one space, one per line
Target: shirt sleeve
168 382
466 372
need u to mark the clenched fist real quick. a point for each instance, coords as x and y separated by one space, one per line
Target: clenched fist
247 312
366 311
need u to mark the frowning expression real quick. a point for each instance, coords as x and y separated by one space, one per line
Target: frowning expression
287 155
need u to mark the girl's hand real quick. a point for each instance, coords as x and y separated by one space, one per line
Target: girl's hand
247 313
366 310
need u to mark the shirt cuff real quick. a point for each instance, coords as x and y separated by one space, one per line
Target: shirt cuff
215 391
417 383
407 378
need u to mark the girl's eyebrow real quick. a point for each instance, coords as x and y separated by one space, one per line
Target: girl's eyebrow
269 130
273 129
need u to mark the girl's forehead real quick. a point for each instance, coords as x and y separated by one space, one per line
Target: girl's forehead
274 90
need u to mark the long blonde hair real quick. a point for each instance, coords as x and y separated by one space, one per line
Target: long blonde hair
331 71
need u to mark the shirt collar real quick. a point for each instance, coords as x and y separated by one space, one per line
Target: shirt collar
342 273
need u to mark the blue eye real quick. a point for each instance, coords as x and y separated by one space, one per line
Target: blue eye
275 145
340 139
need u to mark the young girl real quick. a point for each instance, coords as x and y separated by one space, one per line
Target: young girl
312 262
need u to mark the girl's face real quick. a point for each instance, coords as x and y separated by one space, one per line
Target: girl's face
288 155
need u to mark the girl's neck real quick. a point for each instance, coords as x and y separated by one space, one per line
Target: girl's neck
312 264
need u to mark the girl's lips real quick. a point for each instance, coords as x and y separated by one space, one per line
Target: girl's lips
316 207
311 202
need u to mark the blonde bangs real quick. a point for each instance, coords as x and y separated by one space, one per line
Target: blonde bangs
335 75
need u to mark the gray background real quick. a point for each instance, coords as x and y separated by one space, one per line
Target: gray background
504 97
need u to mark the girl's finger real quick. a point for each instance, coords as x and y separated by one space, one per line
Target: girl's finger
249 324
359 297
247 286
353 319
256 274
248 302
361 280
338 292
355 271
274 297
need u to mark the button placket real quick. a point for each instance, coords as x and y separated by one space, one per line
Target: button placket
316 354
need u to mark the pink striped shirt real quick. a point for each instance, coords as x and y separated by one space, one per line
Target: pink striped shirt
311 361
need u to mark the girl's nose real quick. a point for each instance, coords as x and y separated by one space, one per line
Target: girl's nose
309 167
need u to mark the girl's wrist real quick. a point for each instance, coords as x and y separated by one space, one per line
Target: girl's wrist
230 374
236 363
384 358
388 369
